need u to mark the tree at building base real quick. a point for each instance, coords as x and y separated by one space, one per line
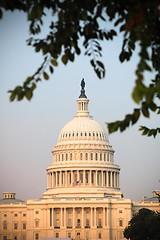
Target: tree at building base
145 224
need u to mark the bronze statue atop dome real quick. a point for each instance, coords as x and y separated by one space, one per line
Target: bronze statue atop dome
82 95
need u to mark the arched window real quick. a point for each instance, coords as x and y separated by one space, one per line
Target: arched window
91 156
107 157
86 156
5 225
80 156
70 156
66 157
96 156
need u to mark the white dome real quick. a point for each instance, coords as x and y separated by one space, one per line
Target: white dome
83 128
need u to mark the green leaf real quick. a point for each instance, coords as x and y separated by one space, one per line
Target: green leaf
145 110
64 59
54 62
28 93
12 96
51 69
45 75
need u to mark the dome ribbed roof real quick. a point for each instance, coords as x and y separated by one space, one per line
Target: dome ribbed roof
83 128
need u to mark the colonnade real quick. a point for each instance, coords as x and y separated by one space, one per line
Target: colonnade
78 217
102 178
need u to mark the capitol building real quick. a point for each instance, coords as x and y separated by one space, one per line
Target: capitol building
83 199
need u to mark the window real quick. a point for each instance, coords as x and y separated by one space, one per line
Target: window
86 177
107 157
85 134
15 214
57 235
15 226
99 222
24 214
15 237
37 212
80 156
5 215
37 236
5 225
70 156
87 235
66 157
91 156
24 237
62 157
24 225
121 223
4 237
99 235
87 222
78 222
104 157
96 156
120 211
81 134
86 156
37 223
69 235
100 156
69 222
89 134
92 177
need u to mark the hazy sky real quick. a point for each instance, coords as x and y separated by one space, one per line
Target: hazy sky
29 130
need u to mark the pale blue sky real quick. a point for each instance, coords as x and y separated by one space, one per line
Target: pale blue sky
29 130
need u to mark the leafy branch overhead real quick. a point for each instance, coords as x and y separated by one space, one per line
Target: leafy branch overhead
137 21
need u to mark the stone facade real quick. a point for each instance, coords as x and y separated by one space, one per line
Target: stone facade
83 198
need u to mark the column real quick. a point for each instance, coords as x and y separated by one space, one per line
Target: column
65 217
72 180
111 178
53 180
96 179
53 218
84 178
78 175
61 217
51 221
102 178
118 180
48 180
73 217
114 179
91 217
56 179
65 181
95 217
90 178
60 178
104 216
82 217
